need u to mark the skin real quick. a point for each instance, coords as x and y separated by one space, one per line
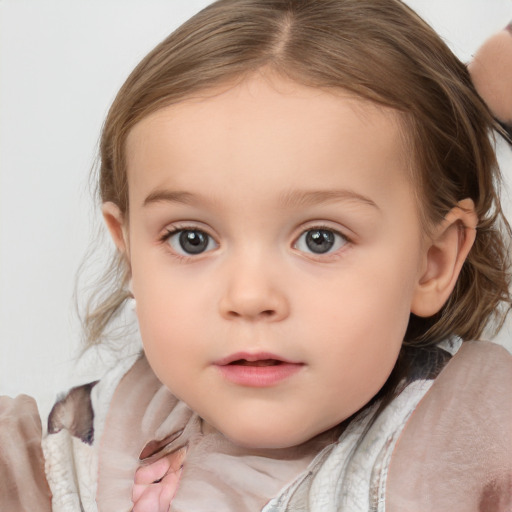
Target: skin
491 72
255 166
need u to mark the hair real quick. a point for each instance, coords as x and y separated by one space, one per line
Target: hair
379 50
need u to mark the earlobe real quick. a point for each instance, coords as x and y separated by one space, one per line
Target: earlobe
444 257
115 222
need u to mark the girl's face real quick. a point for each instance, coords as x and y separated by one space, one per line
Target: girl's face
276 254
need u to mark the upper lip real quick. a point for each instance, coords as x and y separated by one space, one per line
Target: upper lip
251 357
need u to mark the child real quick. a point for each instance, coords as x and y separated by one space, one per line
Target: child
303 197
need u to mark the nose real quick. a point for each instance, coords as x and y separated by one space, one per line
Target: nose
253 292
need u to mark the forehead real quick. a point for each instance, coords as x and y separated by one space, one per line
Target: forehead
266 122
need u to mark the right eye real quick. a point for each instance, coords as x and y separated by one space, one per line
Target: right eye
190 241
320 241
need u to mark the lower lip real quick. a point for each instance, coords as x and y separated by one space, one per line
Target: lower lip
258 376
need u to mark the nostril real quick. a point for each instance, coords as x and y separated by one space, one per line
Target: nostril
263 305
267 313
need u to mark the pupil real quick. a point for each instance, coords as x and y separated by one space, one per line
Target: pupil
320 240
193 242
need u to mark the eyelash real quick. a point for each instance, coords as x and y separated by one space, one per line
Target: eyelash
170 232
346 240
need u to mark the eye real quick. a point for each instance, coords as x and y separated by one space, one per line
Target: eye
190 241
320 241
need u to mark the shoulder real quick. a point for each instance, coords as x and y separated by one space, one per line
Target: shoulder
82 410
455 452
71 446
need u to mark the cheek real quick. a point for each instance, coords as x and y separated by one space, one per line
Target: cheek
166 320
361 318
168 343
374 296
171 311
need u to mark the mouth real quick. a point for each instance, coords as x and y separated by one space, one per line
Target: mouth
259 363
257 370
256 359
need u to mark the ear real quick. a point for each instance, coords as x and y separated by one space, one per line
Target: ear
445 254
115 222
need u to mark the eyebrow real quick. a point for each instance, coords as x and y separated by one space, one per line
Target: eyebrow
302 198
168 196
291 199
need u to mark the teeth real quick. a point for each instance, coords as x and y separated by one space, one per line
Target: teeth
262 362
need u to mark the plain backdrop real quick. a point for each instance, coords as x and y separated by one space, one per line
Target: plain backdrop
61 63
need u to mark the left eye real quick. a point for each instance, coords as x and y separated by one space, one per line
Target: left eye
191 241
320 241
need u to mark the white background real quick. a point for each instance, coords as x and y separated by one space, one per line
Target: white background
61 63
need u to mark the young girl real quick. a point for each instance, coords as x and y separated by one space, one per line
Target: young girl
304 200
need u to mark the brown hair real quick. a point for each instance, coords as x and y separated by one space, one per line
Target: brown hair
379 50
